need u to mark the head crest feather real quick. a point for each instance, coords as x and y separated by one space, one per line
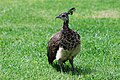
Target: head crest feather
71 11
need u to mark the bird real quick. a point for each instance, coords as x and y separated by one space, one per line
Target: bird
65 44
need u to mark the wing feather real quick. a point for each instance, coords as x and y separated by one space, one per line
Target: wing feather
53 46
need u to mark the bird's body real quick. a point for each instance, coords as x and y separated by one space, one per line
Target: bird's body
64 45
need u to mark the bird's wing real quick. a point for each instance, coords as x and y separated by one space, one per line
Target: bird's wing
53 46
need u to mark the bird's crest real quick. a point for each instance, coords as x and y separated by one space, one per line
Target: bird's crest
71 11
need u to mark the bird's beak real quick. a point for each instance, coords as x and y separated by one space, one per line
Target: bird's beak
57 16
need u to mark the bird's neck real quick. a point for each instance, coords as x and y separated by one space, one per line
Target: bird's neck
65 24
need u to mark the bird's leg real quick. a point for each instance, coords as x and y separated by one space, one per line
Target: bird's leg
60 64
71 62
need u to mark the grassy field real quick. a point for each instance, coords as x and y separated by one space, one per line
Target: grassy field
27 25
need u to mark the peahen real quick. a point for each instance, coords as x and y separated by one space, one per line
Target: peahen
65 44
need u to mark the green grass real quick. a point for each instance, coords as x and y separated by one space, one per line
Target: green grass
27 25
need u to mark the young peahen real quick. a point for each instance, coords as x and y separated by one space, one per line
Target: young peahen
65 44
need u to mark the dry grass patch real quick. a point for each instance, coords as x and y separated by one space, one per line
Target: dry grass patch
106 14
99 14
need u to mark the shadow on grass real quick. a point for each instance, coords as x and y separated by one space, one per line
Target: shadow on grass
78 70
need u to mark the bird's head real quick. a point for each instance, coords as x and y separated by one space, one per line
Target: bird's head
65 16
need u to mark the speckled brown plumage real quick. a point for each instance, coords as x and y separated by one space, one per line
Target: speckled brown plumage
53 46
65 44
69 38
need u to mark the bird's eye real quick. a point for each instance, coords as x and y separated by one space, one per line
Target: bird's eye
63 15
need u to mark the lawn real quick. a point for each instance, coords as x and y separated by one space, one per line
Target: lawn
27 25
